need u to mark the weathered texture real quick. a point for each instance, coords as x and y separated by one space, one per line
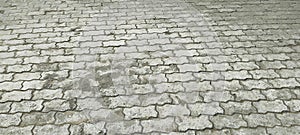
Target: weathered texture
149 67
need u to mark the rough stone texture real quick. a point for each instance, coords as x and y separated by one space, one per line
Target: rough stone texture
26 106
51 129
16 130
226 121
238 107
10 119
294 105
38 118
149 67
140 112
270 106
172 110
289 119
293 130
205 109
268 120
123 127
249 131
197 123
159 125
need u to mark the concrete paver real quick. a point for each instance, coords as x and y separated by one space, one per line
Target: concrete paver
149 67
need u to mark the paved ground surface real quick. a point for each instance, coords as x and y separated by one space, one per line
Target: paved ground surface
149 67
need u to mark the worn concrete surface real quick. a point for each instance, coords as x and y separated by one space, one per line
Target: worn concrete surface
150 67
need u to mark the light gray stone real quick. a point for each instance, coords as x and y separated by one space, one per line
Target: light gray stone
227 121
10 119
205 109
197 123
140 112
270 106
159 125
172 110
265 120
26 106
51 129
123 127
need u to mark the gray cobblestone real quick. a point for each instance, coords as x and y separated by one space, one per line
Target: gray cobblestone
70 117
38 118
249 131
227 85
281 83
197 86
205 109
15 96
221 96
273 94
270 106
123 127
253 95
217 67
159 125
11 61
197 123
17 130
51 129
224 121
172 110
293 105
140 112
10 119
268 120
57 105
283 130
181 97
237 107
26 106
